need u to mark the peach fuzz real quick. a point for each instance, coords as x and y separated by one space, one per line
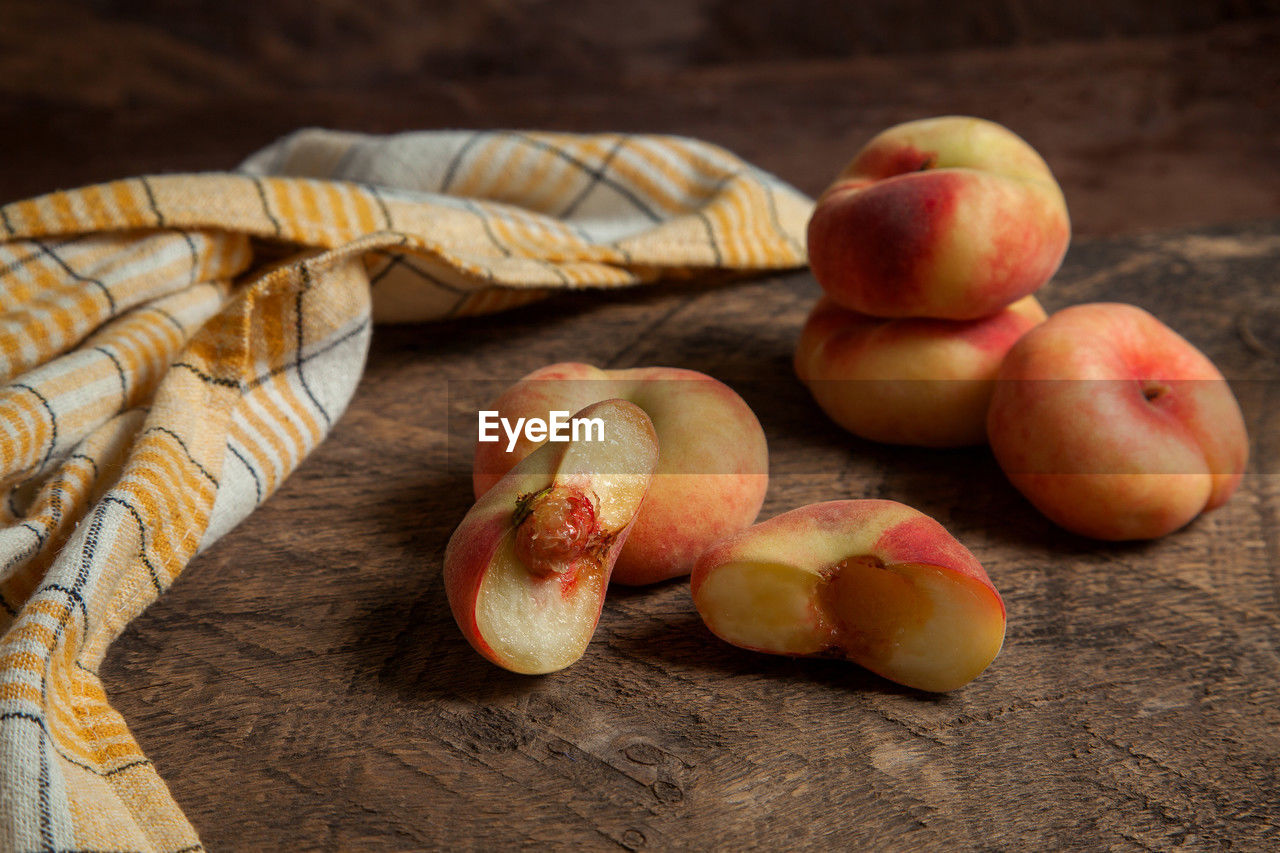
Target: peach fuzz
908 381
527 569
873 581
711 476
950 217
1114 425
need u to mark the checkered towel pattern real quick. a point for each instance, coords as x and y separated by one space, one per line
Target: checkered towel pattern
172 347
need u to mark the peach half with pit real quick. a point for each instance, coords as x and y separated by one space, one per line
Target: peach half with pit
873 581
527 569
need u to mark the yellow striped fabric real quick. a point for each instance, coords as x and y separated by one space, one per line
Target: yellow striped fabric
171 348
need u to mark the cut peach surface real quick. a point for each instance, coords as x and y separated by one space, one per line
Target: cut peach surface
873 581
527 569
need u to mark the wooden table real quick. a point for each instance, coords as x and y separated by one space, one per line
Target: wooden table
1135 703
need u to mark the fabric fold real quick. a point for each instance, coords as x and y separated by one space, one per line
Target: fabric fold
173 346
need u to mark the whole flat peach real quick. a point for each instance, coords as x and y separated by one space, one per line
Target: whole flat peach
1114 425
952 217
908 381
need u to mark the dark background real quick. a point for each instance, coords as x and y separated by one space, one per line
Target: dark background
1153 114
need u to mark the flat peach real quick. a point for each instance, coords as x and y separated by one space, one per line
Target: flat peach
909 381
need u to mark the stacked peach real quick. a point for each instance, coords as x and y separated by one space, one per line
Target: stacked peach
928 246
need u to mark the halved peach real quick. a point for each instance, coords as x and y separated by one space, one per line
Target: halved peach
527 569
873 581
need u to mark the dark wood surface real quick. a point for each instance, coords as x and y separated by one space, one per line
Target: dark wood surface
303 686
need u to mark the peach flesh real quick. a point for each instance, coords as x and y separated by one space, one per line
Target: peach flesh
911 623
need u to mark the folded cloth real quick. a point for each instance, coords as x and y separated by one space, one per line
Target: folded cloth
171 347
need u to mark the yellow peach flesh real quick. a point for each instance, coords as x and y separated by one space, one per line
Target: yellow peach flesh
528 621
766 606
918 624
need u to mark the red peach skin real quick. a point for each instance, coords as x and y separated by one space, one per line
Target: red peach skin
1114 425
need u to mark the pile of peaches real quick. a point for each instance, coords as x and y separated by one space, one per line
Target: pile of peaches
929 248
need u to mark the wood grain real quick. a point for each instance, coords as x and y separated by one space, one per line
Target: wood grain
303 686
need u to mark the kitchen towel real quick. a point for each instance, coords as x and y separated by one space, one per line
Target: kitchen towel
171 347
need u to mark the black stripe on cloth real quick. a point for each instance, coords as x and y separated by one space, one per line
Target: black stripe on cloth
596 175
151 202
172 319
124 382
93 463
38 534
14 266
559 273
212 380
39 721
382 205
257 483
111 300
142 542
452 171
488 230
711 237
4 217
45 808
456 306
263 378
75 597
298 360
403 260
185 450
777 221
55 501
619 188
45 801
266 206
195 257
53 420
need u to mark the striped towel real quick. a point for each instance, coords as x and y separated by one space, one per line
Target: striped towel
172 347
